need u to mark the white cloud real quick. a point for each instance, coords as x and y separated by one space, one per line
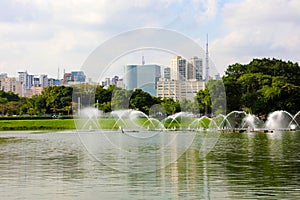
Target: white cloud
41 35
257 28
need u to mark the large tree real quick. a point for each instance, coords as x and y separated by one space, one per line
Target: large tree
262 86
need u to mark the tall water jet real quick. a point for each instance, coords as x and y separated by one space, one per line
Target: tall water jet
252 122
279 120
295 123
178 120
234 119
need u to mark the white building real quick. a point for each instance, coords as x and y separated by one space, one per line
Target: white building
178 90
11 85
44 80
186 79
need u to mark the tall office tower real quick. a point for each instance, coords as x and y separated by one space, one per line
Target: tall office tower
36 81
43 80
178 68
26 79
79 76
167 73
197 64
144 77
9 84
53 82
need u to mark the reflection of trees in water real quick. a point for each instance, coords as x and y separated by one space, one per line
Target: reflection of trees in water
258 162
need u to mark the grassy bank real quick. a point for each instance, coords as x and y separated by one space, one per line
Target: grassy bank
45 124
103 123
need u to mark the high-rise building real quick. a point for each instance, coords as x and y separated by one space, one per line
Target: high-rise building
26 79
53 82
186 79
167 73
11 85
178 89
44 80
36 81
178 68
144 77
181 69
68 77
197 64
79 76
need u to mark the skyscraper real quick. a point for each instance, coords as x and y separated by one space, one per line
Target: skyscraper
79 76
26 79
144 77
43 80
167 73
186 79
11 85
178 68
197 64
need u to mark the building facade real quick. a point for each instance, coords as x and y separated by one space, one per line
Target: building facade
144 77
178 89
197 64
44 80
79 76
11 85
26 79
182 80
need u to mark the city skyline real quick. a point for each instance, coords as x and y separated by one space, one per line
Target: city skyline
48 35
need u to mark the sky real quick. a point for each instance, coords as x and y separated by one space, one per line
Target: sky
41 36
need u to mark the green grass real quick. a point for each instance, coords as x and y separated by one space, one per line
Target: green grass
103 123
45 124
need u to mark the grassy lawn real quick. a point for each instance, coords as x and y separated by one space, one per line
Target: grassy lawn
103 123
45 124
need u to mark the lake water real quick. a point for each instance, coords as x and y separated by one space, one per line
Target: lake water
68 165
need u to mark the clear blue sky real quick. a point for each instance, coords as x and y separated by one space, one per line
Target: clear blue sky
42 35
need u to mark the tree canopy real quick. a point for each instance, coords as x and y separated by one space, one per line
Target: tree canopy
263 86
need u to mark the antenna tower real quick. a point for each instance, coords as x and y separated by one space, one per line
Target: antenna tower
143 60
206 60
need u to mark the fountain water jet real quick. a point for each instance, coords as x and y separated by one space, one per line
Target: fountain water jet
278 120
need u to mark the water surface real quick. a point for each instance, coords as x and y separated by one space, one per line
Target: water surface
57 165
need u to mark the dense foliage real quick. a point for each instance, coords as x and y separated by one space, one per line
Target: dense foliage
263 86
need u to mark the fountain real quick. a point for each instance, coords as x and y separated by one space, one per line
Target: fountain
252 122
279 120
133 121
135 136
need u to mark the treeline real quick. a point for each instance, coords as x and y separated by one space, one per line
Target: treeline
260 87
263 86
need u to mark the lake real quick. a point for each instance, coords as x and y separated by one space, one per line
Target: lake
149 165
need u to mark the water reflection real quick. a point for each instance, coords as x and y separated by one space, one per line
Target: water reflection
240 166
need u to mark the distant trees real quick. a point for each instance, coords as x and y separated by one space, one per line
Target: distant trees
260 87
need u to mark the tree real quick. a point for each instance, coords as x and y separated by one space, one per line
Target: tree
141 100
204 102
262 86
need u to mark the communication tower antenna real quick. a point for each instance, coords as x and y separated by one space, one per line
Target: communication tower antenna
143 60
206 60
